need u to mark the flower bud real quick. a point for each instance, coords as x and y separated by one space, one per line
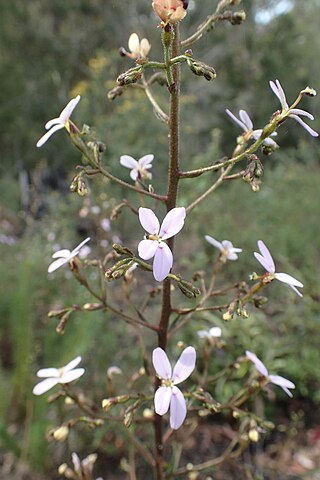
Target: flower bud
121 250
61 433
188 289
115 92
253 435
201 69
170 11
130 76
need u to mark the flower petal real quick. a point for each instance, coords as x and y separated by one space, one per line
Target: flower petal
163 261
47 135
128 162
265 258
77 249
236 120
72 364
296 290
278 91
68 109
134 174
147 249
144 47
244 117
214 242
257 363
44 386
71 375
149 220
64 253
281 381
178 409
146 161
57 264
162 400
285 278
161 363
134 44
53 121
305 125
185 365
298 111
48 372
172 222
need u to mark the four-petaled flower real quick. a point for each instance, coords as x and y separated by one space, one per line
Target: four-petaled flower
246 124
60 122
53 376
168 395
153 245
170 11
138 49
266 260
228 251
139 168
294 113
64 256
275 379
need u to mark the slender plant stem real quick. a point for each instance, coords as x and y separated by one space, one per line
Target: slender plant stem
173 182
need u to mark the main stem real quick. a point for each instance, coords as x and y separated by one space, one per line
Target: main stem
173 182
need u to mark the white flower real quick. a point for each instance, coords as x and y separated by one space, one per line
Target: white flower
139 169
282 382
153 245
246 124
54 376
294 113
60 122
168 395
266 260
138 49
228 251
64 256
214 332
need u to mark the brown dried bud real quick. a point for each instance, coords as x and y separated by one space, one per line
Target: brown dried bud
115 92
130 76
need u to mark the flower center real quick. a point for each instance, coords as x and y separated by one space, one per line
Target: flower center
167 382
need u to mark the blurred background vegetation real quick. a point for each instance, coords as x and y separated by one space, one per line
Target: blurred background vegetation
51 51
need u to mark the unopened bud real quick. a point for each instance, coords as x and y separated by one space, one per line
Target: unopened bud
115 92
60 328
188 289
121 249
147 413
127 420
238 17
311 92
201 69
253 435
130 76
90 307
61 433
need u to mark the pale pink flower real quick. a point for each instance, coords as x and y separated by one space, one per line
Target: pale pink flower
138 49
64 256
282 382
153 245
170 11
60 122
246 124
168 395
55 376
294 113
139 168
228 251
266 260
